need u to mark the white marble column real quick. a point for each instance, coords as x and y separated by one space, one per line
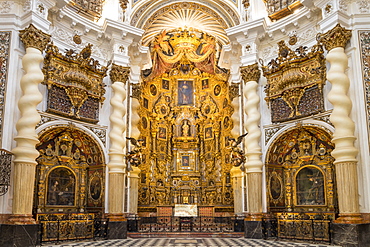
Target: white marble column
237 182
344 152
25 152
253 165
134 176
116 164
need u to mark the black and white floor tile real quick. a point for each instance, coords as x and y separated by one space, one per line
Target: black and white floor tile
189 242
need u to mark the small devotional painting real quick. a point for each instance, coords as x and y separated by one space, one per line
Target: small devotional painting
185 92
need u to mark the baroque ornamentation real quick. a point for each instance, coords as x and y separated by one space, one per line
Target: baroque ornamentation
119 73
294 82
185 124
203 8
281 8
75 83
123 4
300 171
363 6
187 47
5 38
92 8
6 6
336 37
250 73
70 171
5 170
100 132
270 132
33 37
365 60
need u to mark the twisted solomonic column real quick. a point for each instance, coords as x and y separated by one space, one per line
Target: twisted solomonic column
344 152
116 164
253 165
25 152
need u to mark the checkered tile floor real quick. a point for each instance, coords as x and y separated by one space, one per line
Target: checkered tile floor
189 242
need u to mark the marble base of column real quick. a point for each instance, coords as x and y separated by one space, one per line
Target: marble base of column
19 235
349 219
354 235
117 226
21 219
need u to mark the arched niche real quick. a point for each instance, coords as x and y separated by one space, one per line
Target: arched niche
300 171
70 174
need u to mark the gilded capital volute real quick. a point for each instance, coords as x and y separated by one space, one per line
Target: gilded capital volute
250 73
33 37
336 37
119 73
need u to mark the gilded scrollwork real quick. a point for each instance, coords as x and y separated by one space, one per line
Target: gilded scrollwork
75 83
294 82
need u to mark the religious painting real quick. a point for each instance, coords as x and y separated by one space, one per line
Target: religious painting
310 186
205 84
165 84
61 187
146 103
275 186
162 133
208 133
185 92
225 103
95 187
217 90
185 160
226 122
144 122
153 89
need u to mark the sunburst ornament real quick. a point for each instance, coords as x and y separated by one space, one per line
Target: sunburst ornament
186 19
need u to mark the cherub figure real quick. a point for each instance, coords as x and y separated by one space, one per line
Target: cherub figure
237 155
135 156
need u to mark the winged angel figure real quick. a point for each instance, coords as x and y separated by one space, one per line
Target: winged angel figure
237 155
135 156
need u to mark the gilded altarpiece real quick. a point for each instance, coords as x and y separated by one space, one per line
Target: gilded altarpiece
295 80
300 172
75 83
185 124
70 173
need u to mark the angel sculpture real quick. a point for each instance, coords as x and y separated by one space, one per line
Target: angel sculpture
135 156
237 155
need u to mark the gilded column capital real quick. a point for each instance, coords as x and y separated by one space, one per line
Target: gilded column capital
119 73
336 37
33 37
250 73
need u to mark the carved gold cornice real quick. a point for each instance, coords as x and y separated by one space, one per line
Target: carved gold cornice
119 73
291 74
250 73
79 75
35 38
336 37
